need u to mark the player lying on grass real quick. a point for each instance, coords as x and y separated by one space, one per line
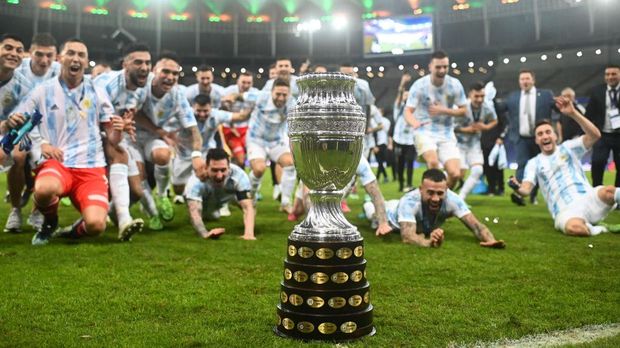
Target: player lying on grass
573 203
419 214
220 183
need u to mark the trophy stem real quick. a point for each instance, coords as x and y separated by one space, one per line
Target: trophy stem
325 220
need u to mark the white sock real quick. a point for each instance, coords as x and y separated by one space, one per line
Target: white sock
119 187
596 230
474 176
255 183
617 196
147 200
287 184
369 210
161 178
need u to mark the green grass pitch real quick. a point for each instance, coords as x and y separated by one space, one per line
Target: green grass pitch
173 289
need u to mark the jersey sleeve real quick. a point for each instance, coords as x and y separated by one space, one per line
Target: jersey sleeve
105 108
364 172
184 111
576 146
529 174
412 99
456 205
194 189
460 98
407 208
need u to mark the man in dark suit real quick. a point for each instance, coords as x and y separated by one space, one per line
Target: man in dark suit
526 107
602 110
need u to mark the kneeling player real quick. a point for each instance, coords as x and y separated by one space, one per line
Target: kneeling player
221 183
420 213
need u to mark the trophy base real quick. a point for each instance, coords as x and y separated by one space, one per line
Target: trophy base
325 294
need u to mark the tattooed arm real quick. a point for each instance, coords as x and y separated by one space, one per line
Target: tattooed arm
409 235
249 215
198 163
377 200
195 216
482 232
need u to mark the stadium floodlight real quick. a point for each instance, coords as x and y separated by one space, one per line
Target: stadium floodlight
558 56
339 22
261 70
579 53
381 68
309 26
490 63
180 68
355 69
227 70
618 50
243 70
523 59
506 60
598 51
470 64
368 68
397 51
543 57
401 67
415 66
92 63
453 65
194 68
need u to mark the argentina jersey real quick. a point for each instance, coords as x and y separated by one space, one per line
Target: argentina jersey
12 93
268 123
485 115
364 172
423 93
293 87
71 120
172 112
403 132
35 80
210 126
559 175
236 187
216 94
122 99
249 101
411 209
363 94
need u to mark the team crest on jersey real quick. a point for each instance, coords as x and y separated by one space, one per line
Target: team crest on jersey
86 103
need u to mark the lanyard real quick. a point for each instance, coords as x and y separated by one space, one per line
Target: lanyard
65 89
476 115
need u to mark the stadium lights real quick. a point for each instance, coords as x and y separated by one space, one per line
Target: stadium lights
92 63
370 75
214 18
234 75
470 70
490 63
380 74
182 74
243 70
180 17
261 70
598 51
12 2
137 14
579 53
259 76
309 26
415 66
227 70
482 70
456 72
543 57
339 22
470 64
258 19
558 56
401 67
355 69
523 59
54 5
381 68
506 60
618 50
369 68
101 11
290 19
181 68
397 51
194 69
453 65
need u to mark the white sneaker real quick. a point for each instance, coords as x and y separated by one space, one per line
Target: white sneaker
178 199
36 220
276 192
14 222
129 229
224 210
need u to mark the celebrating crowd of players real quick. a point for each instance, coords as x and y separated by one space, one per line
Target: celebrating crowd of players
115 138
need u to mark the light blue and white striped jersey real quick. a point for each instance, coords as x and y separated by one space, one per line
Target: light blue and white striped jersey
209 127
268 124
172 112
411 209
293 86
364 172
382 135
249 101
369 141
35 80
71 120
559 175
216 94
485 115
363 94
122 99
237 186
423 93
12 93
403 132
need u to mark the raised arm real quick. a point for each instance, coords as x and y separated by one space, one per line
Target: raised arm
592 134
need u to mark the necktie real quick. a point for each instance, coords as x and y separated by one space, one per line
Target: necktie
528 111
613 97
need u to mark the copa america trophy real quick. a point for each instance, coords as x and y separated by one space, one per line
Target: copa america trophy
325 293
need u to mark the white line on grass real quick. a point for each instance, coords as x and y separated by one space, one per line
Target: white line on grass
571 336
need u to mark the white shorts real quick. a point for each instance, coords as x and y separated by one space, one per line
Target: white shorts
258 151
446 149
143 151
181 170
588 207
470 156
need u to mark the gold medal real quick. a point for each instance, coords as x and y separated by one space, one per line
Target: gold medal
348 327
337 302
325 253
297 300
359 251
319 278
367 297
288 274
305 327
340 277
283 297
305 252
292 251
288 324
344 253
354 300
327 328
315 302
300 276
357 276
